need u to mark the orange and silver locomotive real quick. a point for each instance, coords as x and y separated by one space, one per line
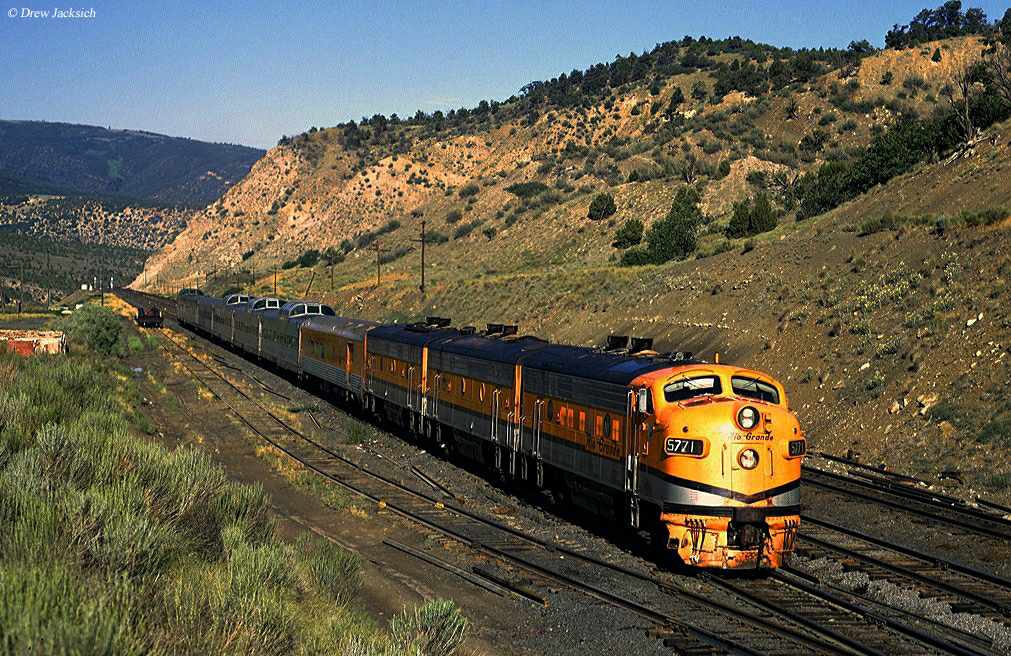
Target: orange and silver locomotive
706 457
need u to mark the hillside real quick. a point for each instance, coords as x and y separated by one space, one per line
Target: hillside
93 220
39 270
633 140
59 158
885 316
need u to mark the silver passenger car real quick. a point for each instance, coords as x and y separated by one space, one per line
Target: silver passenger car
247 333
280 331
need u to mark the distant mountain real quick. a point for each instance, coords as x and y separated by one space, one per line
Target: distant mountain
61 158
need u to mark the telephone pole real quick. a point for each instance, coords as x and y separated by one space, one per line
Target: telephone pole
275 280
377 263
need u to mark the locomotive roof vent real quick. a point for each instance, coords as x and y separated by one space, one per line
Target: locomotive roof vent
468 330
438 322
641 344
494 329
616 342
509 330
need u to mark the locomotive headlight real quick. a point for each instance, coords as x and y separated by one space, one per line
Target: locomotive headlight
747 417
748 459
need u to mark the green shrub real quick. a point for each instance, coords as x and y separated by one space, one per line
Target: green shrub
814 142
388 256
752 217
332 256
945 411
334 570
997 431
629 234
987 216
134 343
454 216
672 237
601 207
847 126
309 258
465 229
97 328
388 227
636 257
470 189
435 629
527 189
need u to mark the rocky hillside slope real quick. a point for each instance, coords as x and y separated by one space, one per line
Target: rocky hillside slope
885 317
93 221
635 141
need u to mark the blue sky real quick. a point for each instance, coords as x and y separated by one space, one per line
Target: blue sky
250 73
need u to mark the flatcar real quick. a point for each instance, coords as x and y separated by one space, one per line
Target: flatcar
704 456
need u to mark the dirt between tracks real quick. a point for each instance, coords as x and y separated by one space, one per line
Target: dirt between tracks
185 414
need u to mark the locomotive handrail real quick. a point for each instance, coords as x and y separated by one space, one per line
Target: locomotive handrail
435 397
538 419
494 415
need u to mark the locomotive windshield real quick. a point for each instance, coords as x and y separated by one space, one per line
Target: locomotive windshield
689 388
754 389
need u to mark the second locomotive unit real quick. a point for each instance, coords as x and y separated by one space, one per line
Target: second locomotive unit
706 457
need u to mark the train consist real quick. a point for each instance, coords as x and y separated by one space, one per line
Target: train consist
705 456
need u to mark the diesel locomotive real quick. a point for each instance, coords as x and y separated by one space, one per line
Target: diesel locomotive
706 457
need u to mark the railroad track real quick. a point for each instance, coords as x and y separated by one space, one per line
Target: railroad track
965 589
689 621
790 595
922 503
